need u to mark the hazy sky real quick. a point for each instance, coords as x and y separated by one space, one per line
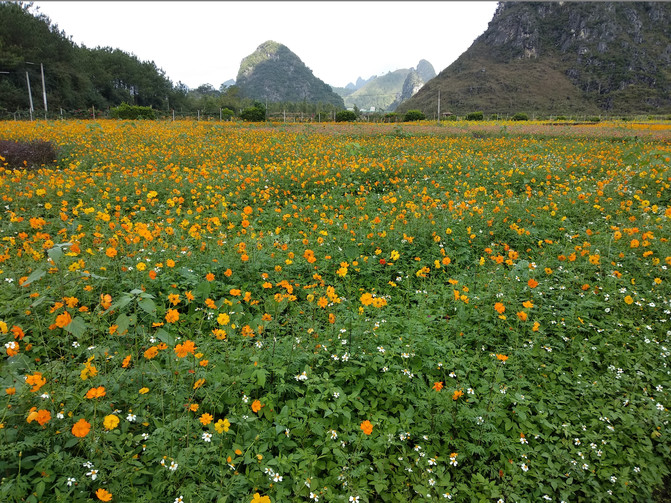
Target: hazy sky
204 42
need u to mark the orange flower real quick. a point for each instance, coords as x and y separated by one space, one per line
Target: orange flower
172 316
10 391
522 316
104 495
228 273
152 274
532 283
438 385
499 308
366 427
36 381
63 319
206 419
502 358
198 383
43 417
183 349
209 276
96 392
126 362
256 406
81 428
18 332
151 352
105 301
111 252
457 394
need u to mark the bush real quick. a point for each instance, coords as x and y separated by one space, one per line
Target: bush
451 118
561 117
594 119
519 117
475 116
345 116
32 154
414 115
132 112
227 113
257 113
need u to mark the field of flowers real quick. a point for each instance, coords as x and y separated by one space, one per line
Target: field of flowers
216 312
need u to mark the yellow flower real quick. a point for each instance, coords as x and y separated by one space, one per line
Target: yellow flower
143 391
260 499
222 425
110 422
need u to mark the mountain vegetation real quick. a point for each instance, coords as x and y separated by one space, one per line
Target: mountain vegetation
561 57
274 73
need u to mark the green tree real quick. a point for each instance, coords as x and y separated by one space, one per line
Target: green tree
345 116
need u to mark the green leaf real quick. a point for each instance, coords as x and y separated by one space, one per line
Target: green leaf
122 322
260 375
123 301
148 306
55 254
164 336
76 327
37 274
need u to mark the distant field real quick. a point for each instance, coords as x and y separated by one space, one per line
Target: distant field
217 312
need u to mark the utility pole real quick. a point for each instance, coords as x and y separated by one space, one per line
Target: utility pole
30 96
44 91
438 106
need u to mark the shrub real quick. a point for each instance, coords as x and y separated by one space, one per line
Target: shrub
519 117
227 113
132 112
414 115
451 118
561 117
475 116
594 119
257 113
345 116
32 154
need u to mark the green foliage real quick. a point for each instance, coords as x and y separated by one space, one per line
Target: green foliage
345 116
132 112
475 116
414 115
256 113
520 117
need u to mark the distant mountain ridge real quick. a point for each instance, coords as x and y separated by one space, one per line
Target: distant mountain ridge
561 57
386 92
274 73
